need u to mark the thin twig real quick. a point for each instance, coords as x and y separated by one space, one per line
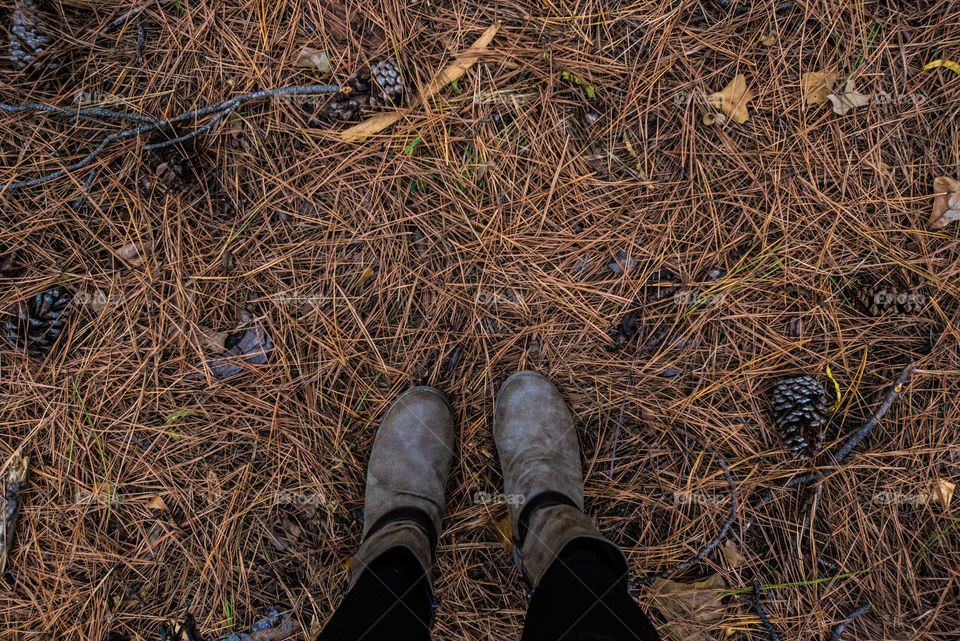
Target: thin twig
888 400
86 189
838 631
623 405
754 601
224 106
84 113
132 13
699 556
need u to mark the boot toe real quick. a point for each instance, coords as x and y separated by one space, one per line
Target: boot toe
411 455
536 440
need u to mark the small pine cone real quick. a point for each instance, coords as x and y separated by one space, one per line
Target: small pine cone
380 86
799 414
878 300
35 324
388 79
27 38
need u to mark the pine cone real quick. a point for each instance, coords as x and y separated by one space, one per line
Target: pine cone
799 414
33 325
380 86
27 38
877 300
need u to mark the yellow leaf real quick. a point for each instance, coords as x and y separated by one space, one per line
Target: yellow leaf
949 64
836 388
733 99
946 205
156 503
454 71
848 99
501 530
817 85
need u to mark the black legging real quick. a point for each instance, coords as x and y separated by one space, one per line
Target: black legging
580 598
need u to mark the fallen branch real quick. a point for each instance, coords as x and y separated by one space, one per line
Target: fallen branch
754 601
699 556
149 125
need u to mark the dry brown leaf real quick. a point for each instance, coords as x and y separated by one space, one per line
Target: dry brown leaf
216 341
453 71
501 530
817 85
769 39
365 277
157 503
691 609
135 253
314 59
733 99
942 492
732 555
213 488
847 99
946 205
460 65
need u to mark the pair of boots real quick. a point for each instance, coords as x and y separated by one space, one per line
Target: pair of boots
556 546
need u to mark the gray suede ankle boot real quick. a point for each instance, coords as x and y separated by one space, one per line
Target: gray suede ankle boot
542 478
408 469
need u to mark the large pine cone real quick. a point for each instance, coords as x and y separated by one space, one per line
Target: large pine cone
877 300
380 86
799 414
27 37
35 324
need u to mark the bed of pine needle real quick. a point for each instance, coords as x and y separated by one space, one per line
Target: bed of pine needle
468 241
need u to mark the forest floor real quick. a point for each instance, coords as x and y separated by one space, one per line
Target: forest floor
649 202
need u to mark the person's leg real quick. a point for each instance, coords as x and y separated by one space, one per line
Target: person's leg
581 597
578 576
390 601
390 595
